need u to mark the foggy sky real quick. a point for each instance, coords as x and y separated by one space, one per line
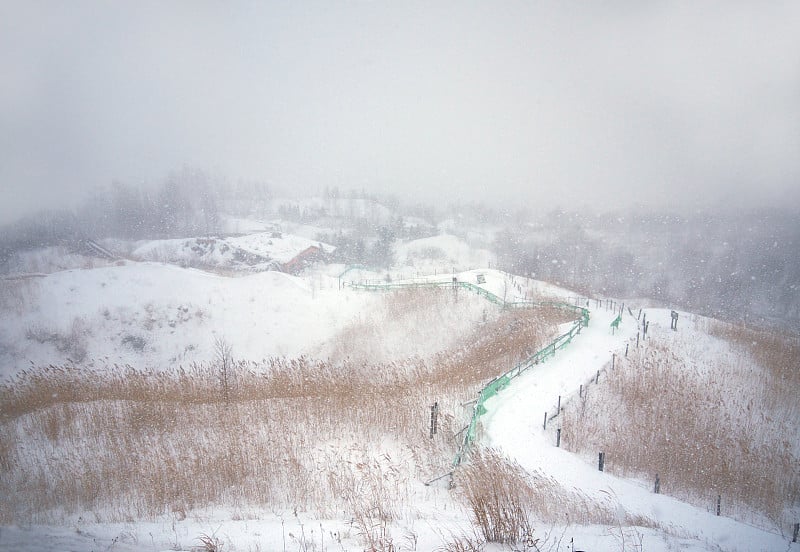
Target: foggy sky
534 103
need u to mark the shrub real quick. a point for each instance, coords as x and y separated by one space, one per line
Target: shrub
499 495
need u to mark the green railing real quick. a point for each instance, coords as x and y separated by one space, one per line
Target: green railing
498 384
377 285
495 386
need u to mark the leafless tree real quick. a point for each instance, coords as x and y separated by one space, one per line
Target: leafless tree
223 355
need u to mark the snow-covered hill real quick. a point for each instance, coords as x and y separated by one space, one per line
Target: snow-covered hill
152 314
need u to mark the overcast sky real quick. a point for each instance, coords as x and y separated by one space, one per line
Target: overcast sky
544 103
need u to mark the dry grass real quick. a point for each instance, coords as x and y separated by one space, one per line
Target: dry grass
499 496
297 434
505 500
409 322
463 543
715 423
294 453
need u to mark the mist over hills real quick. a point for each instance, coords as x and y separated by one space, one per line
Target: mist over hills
737 265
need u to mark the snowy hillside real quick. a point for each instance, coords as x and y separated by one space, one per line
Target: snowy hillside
321 442
443 253
258 251
156 315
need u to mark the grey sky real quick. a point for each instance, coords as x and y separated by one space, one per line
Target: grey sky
554 103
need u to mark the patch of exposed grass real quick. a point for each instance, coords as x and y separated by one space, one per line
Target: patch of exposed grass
298 434
505 500
709 423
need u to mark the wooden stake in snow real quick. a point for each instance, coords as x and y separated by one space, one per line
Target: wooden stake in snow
558 444
657 486
719 504
434 418
601 461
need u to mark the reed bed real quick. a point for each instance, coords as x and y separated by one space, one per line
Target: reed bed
293 434
710 421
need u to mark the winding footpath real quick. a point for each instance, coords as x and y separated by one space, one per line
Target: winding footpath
513 424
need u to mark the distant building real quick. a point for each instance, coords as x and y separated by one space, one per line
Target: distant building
310 255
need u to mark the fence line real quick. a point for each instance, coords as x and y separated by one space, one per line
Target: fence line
496 385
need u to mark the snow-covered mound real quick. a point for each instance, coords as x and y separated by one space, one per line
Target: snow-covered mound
260 251
276 245
151 314
443 253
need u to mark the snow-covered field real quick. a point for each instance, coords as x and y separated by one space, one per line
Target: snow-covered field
155 314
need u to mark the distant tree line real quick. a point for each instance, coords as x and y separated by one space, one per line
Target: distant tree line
186 203
356 248
742 267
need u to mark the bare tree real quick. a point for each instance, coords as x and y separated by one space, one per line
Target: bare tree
223 356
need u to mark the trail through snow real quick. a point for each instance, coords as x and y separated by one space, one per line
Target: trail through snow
514 425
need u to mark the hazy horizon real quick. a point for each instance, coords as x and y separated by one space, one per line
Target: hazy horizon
604 107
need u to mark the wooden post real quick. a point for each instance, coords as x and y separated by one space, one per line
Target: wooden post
544 425
719 504
558 444
580 391
601 461
434 419
657 486
637 339
559 405
626 350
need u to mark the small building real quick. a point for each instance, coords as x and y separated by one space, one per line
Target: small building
310 255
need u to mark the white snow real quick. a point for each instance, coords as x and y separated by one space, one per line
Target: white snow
275 245
179 311
443 253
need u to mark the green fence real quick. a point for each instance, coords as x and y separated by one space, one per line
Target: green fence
498 384
377 285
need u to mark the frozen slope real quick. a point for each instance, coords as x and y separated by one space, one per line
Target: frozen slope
159 315
514 425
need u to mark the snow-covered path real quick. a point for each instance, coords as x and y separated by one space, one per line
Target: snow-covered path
513 424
